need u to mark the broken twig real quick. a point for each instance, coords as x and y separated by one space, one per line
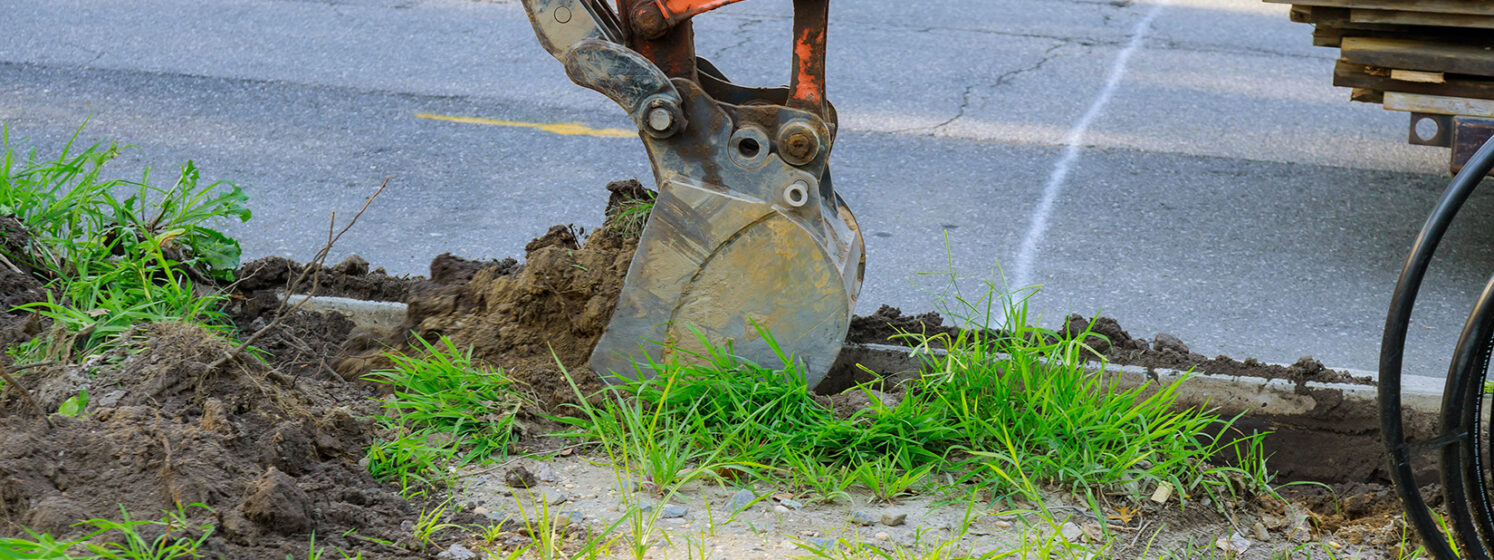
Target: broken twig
314 268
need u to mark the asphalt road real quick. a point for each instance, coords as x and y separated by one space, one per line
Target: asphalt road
1201 179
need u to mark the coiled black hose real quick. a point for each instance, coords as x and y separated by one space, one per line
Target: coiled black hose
1392 352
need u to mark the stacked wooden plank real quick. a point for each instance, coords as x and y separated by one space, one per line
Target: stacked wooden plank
1425 56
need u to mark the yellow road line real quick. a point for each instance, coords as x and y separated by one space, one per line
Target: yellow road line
564 129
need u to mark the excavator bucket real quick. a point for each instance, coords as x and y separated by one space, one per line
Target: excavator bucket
747 248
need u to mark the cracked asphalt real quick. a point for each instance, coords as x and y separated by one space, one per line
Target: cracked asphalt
1226 194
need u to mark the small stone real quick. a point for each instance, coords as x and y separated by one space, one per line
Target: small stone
674 511
791 504
1234 544
456 552
567 518
519 477
894 519
481 510
862 518
741 500
555 497
570 486
1004 524
1260 532
545 473
1071 532
882 535
780 509
786 544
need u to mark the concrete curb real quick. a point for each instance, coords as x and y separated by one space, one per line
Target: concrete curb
1328 432
380 317
1240 394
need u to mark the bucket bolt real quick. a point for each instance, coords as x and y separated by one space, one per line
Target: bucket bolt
799 143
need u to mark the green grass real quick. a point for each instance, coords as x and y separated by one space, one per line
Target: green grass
168 538
445 413
632 215
116 253
1009 411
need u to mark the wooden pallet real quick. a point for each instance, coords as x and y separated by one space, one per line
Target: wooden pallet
1426 54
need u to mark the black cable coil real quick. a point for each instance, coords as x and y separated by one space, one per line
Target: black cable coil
1465 483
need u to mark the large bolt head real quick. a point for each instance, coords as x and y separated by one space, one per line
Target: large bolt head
798 143
648 21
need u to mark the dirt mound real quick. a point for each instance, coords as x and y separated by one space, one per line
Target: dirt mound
555 306
888 321
350 278
273 455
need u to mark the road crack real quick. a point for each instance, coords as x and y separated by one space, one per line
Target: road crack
1001 80
742 35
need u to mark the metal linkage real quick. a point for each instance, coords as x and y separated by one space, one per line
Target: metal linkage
1465 450
748 246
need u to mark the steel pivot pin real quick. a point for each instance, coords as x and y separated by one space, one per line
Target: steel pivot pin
660 119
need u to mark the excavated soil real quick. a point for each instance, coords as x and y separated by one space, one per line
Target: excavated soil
272 446
269 449
272 454
269 445
536 319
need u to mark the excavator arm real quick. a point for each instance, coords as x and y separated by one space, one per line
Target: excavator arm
748 247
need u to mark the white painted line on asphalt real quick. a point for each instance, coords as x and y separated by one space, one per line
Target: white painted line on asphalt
1072 142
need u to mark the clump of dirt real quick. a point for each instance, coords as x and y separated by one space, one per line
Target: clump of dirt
553 307
1166 351
884 326
350 278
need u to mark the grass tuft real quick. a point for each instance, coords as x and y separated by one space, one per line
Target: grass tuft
116 253
1010 411
445 413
